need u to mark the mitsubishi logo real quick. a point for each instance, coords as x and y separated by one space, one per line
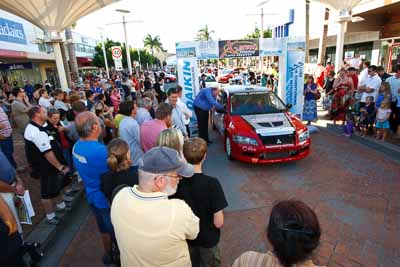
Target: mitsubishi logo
278 141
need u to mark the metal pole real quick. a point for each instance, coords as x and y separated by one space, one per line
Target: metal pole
104 54
138 51
128 56
260 58
262 22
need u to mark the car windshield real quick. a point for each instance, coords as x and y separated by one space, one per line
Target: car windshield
251 103
226 71
210 79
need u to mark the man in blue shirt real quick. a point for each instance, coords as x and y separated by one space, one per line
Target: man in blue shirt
90 160
129 131
204 102
29 89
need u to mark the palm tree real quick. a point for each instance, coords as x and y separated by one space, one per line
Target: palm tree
204 34
152 43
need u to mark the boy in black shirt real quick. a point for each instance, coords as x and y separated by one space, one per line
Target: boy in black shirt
205 196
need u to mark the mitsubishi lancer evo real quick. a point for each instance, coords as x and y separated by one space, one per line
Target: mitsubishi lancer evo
257 126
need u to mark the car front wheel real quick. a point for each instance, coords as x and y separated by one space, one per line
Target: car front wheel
228 147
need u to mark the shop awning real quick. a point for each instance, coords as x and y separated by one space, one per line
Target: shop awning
84 61
53 15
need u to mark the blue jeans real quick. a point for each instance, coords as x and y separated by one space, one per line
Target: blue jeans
103 219
7 146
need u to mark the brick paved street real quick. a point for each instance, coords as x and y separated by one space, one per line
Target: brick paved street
354 190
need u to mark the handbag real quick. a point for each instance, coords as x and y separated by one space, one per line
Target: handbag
317 96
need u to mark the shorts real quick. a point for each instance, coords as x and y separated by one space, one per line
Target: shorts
200 256
50 186
382 125
103 219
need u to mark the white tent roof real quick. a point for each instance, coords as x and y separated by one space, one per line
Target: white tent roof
53 15
341 4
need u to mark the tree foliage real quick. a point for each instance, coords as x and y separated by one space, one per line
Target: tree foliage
98 59
257 33
152 43
204 34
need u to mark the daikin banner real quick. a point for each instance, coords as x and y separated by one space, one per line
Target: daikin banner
189 80
295 75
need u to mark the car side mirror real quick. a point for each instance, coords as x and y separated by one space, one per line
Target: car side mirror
289 106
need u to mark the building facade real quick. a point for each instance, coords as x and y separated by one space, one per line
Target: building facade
25 56
376 38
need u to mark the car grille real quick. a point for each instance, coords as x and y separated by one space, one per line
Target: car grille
276 140
282 154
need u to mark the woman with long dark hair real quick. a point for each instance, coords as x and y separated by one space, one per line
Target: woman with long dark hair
310 100
294 232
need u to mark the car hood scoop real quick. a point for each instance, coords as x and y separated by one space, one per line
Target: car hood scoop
270 124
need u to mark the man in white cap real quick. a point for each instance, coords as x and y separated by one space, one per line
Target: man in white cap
151 230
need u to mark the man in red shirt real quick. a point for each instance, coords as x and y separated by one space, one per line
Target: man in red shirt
319 75
328 68
353 75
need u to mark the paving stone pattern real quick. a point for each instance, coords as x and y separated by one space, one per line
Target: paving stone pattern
353 189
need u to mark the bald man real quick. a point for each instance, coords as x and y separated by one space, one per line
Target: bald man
90 160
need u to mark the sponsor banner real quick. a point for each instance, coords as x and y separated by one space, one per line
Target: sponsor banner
295 75
238 48
186 52
16 66
272 47
207 50
11 31
188 78
186 49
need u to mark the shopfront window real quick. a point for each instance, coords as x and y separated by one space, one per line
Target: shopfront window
20 72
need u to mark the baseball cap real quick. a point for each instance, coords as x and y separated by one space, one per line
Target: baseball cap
162 159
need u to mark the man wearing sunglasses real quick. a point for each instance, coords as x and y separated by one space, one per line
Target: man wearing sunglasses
371 85
151 230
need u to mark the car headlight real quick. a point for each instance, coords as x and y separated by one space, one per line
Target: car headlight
244 140
303 136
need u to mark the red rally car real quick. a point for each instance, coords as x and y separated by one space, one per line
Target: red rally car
258 128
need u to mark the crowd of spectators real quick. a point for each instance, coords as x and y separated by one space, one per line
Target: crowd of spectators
128 144
363 97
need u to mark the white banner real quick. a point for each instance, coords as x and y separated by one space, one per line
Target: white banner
295 75
189 80
272 47
207 50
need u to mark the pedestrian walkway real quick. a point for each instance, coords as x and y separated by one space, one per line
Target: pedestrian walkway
354 190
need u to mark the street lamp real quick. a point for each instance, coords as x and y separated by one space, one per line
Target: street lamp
128 54
103 45
262 16
344 7
261 4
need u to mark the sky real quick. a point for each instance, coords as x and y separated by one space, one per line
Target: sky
179 20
